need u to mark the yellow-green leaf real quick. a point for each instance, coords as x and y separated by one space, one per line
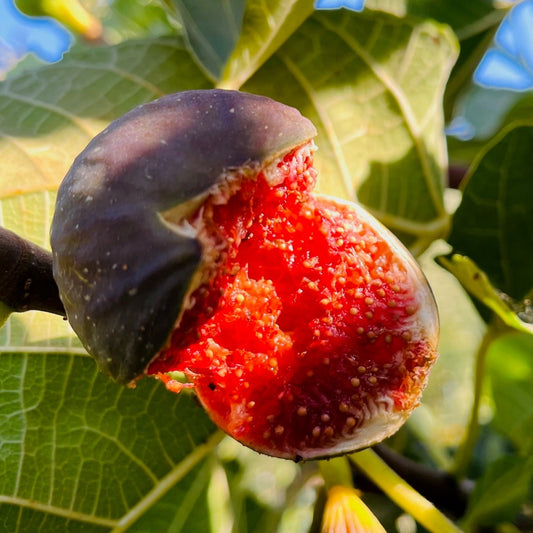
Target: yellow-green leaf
266 26
372 84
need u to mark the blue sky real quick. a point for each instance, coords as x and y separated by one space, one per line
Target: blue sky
509 63
355 5
20 34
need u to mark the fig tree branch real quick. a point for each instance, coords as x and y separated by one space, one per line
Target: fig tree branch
26 281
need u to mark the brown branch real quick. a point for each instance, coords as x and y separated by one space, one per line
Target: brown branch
26 280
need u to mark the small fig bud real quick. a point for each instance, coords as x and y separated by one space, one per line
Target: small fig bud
188 241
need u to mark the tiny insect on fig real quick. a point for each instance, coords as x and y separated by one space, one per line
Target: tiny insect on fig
187 239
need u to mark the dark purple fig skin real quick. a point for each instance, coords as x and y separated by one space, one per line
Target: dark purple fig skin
122 270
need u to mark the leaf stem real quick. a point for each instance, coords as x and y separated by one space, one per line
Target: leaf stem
336 471
466 448
401 493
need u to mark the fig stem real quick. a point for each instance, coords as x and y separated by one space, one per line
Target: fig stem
26 280
401 493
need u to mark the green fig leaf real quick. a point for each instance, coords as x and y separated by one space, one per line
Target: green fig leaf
510 372
212 28
80 453
266 26
465 18
49 114
474 24
372 84
493 225
499 492
477 283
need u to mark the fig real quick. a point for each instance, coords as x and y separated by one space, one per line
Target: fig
188 245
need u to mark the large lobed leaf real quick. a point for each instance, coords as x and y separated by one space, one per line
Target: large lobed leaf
50 114
372 83
473 22
80 453
77 452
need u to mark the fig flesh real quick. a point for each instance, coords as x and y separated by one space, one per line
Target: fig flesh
188 244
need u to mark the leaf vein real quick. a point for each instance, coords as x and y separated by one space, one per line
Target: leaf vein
54 442
259 54
167 482
130 76
194 29
44 350
53 109
404 106
127 453
430 228
24 424
24 503
326 122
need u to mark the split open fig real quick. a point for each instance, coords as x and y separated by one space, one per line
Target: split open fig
187 241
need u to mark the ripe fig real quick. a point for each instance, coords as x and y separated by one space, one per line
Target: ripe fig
188 243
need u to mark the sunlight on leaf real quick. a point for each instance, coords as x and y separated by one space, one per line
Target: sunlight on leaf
466 18
372 84
79 453
266 26
82 449
476 282
50 114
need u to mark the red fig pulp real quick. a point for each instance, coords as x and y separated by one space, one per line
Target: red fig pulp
312 330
